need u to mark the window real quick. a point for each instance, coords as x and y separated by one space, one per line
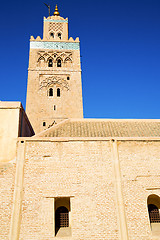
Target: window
50 63
59 63
68 78
52 35
44 124
51 92
153 203
59 35
62 215
154 215
54 107
58 92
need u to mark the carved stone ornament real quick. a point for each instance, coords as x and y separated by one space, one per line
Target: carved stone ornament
54 80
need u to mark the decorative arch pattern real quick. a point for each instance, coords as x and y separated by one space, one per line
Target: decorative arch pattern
65 57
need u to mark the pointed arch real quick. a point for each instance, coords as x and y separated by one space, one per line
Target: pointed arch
51 92
46 55
50 62
59 62
68 59
41 62
58 92
68 62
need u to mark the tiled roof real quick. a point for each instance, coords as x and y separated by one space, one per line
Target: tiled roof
104 128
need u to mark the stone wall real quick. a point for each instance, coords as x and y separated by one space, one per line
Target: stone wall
7 180
140 169
108 183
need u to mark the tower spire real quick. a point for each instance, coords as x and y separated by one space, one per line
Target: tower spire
56 13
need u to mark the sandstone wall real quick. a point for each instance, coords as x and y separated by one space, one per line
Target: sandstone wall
140 169
108 191
82 171
7 180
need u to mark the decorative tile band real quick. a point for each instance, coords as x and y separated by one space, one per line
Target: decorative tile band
55 45
51 20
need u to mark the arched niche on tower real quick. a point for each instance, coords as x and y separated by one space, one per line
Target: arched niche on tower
68 62
41 62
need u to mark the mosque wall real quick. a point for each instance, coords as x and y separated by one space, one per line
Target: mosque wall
107 184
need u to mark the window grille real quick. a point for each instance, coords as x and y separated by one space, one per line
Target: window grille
62 217
154 214
63 220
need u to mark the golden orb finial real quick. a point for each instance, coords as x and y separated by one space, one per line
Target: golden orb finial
56 13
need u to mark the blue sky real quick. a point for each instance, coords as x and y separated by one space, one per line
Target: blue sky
120 49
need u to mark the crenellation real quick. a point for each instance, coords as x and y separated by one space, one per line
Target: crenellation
38 39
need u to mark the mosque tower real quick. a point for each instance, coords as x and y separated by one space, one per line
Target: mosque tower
54 91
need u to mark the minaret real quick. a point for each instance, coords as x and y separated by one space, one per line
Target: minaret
54 90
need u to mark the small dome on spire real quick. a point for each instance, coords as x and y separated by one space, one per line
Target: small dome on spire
56 13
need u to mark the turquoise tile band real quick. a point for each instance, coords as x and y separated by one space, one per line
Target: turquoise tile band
55 45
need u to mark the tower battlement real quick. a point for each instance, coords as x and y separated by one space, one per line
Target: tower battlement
38 38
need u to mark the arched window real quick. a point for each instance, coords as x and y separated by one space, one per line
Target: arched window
153 203
50 63
58 92
59 35
52 34
61 218
59 63
51 92
154 215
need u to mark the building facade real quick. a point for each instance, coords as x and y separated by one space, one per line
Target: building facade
75 178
